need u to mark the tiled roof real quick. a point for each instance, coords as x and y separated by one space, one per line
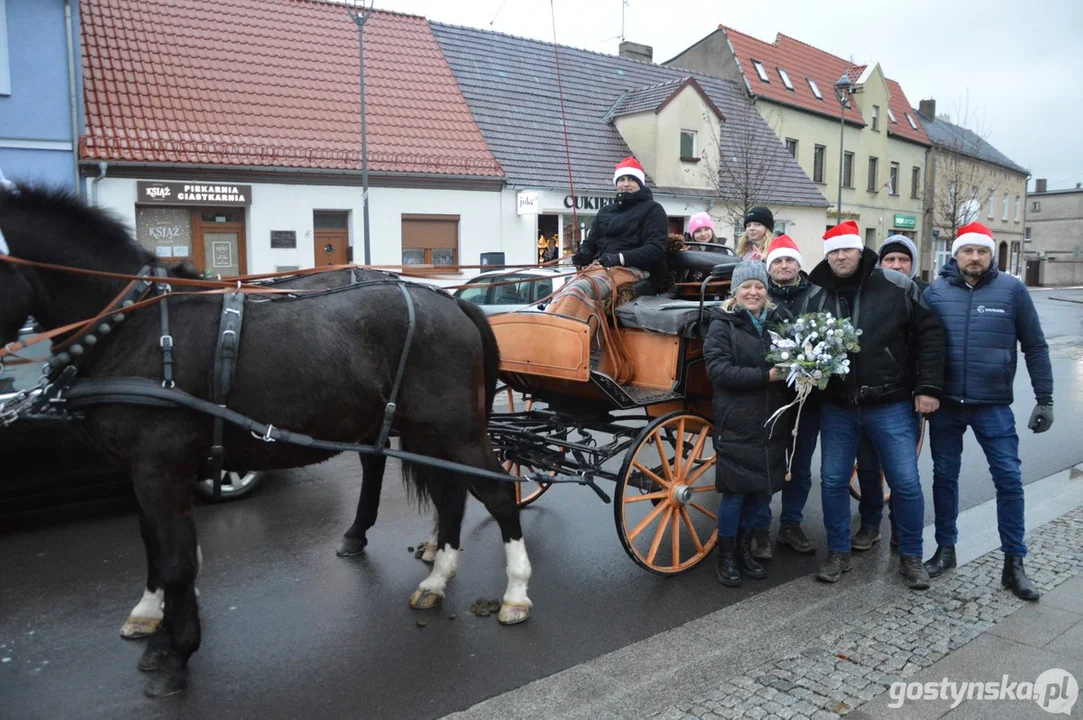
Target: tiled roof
966 142
271 83
802 62
510 84
655 97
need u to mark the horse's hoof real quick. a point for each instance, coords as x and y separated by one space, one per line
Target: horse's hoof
513 613
140 627
425 599
151 659
351 546
164 684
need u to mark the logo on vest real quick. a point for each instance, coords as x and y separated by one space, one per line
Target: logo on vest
983 309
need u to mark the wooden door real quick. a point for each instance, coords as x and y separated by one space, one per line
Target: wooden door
219 243
331 247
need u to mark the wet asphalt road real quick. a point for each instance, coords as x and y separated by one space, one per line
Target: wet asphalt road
291 630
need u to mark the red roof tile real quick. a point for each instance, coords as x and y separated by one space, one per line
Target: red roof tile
803 62
271 83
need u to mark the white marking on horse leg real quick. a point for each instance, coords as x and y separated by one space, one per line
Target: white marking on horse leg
199 564
430 549
516 606
146 616
444 567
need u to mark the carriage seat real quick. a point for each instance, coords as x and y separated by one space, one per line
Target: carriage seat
663 315
701 260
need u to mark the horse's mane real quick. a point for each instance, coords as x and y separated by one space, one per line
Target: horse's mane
70 217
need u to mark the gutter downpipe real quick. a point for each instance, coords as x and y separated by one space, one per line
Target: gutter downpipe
103 167
72 97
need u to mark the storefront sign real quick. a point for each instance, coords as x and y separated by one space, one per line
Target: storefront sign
167 193
906 221
526 203
588 202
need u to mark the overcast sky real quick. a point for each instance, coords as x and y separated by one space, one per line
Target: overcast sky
1015 65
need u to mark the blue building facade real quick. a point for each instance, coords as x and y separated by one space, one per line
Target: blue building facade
40 71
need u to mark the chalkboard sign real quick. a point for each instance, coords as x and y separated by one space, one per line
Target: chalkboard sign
283 238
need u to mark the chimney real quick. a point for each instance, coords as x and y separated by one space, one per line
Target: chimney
636 51
928 108
1039 185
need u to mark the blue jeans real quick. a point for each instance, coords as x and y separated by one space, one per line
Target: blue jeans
893 434
994 426
742 509
795 492
870 481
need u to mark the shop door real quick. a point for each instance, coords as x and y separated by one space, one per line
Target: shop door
219 247
332 247
221 253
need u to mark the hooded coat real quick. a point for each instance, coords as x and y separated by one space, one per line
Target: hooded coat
635 225
751 457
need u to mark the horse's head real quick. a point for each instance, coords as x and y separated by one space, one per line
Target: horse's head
52 225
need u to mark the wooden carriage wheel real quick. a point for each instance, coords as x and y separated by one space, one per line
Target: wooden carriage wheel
525 492
665 504
855 487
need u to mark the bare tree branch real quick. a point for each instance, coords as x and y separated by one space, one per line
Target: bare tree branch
964 184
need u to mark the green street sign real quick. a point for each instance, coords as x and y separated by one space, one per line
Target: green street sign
906 221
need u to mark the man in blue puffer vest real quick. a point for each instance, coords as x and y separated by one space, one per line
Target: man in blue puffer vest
985 314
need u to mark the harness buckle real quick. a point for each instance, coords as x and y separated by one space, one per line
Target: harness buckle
169 384
266 437
166 342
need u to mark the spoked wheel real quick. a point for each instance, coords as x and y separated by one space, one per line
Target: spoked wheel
665 498
525 492
855 486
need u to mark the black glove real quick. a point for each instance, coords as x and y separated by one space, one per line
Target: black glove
609 260
580 260
1041 419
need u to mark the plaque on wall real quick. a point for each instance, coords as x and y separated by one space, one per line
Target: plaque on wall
283 239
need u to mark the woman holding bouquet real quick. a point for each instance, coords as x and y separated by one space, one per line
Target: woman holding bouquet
751 464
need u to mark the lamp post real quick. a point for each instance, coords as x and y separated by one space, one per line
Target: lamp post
359 11
843 86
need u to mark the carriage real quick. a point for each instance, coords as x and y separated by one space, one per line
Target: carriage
635 412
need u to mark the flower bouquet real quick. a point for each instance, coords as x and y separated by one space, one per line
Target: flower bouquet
812 349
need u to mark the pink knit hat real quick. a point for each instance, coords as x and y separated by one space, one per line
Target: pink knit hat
699 220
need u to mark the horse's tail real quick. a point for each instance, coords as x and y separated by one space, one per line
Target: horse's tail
489 348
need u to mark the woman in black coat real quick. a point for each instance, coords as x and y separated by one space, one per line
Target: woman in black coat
751 458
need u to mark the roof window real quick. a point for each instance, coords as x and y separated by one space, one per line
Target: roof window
911 121
785 78
760 71
815 90
891 116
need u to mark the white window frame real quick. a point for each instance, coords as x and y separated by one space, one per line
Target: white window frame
893 179
792 140
785 78
815 89
695 143
761 71
1036 206
992 204
911 121
1004 215
1018 200
891 116
876 118
5 51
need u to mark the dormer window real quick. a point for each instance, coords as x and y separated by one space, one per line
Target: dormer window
760 70
891 116
785 78
815 90
688 145
911 121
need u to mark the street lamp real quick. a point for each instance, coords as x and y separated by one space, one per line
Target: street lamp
842 87
359 11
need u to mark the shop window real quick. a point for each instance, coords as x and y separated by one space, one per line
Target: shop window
165 231
430 240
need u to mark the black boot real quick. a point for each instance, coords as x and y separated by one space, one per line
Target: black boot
911 568
745 560
941 561
726 565
833 567
1015 579
761 543
796 538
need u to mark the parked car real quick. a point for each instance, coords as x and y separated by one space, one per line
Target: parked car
47 462
500 291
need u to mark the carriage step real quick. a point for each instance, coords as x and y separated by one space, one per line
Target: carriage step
649 396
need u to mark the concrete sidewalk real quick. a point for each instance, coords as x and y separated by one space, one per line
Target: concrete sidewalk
809 650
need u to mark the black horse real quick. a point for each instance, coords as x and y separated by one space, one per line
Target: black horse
322 365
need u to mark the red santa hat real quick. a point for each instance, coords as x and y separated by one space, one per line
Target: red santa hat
783 247
843 236
630 166
973 234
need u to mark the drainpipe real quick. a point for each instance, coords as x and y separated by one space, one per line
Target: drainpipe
72 96
103 167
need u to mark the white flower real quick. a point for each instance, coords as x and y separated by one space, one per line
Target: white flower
785 356
800 358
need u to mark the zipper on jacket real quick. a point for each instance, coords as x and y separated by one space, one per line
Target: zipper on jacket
966 338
